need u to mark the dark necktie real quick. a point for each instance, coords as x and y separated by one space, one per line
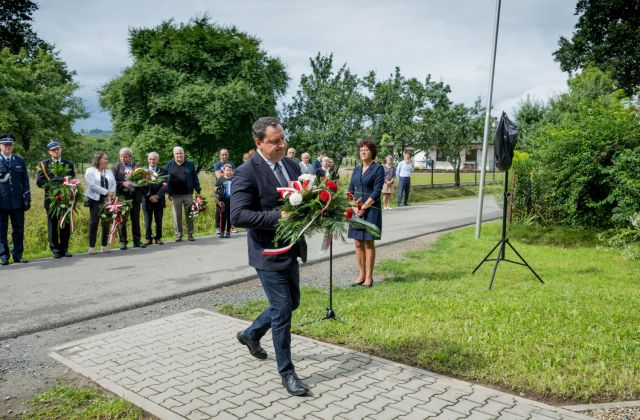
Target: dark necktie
281 178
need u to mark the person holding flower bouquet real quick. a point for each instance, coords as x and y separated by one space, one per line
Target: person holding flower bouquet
366 186
101 184
126 190
153 203
51 175
254 205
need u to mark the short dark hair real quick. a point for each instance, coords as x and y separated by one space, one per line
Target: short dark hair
260 126
370 145
95 161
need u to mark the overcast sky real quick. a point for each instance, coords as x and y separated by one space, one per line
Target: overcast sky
451 40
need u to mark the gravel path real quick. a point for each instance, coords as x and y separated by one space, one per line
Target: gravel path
25 368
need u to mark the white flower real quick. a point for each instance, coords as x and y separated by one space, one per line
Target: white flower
295 199
305 177
62 206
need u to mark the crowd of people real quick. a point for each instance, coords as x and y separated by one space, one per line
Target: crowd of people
105 183
246 197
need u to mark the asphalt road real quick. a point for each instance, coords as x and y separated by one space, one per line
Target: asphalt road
50 293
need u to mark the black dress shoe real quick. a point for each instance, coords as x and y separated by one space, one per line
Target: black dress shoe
123 247
139 245
255 348
56 255
4 261
68 254
21 260
294 385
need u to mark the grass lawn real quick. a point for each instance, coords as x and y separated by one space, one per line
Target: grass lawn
575 338
64 402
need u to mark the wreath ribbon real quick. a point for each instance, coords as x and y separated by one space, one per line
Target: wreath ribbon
283 250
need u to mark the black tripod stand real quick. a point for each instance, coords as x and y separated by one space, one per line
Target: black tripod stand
330 313
504 241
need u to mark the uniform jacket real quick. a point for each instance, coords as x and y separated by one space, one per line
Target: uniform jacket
254 205
44 175
14 183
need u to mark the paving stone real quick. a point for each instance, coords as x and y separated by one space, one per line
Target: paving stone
188 408
192 365
493 408
464 406
241 411
435 405
418 414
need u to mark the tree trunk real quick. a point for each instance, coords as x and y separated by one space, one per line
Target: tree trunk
457 173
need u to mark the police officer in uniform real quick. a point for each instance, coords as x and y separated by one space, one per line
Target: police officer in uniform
15 199
58 237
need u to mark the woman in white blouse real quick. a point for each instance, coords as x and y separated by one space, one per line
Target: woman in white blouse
100 184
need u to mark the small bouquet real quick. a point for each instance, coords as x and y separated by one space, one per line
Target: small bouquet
199 205
316 204
141 177
114 212
63 192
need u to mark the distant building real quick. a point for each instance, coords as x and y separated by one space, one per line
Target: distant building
471 159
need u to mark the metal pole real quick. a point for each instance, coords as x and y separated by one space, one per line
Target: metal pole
485 138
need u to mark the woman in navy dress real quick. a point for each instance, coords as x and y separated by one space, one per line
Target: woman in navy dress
366 185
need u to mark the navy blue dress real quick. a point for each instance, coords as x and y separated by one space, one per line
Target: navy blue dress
363 187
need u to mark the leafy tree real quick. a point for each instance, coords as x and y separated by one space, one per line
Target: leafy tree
36 99
197 85
607 36
15 27
529 114
327 112
452 128
586 141
396 106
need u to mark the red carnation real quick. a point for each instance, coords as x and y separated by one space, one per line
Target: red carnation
59 196
348 214
325 196
332 186
143 175
350 196
359 205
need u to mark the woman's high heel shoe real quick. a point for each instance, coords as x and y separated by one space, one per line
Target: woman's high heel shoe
357 283
368 285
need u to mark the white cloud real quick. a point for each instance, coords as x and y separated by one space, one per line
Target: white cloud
450 40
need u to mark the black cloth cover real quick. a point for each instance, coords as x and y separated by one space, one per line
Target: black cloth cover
505 142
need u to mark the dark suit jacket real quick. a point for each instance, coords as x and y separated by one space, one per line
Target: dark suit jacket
14 192
154 189
254 205
193 183
44 175
369 185
118 172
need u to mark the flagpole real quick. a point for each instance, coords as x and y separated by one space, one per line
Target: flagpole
485 137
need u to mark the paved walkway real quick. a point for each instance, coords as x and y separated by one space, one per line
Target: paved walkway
190 365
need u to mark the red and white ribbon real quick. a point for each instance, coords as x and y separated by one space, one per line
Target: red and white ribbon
283 250
72 184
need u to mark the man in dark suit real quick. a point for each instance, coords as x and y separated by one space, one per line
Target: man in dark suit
128 191
58 237
254 205
15 199
153 202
